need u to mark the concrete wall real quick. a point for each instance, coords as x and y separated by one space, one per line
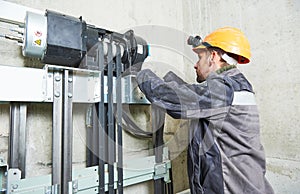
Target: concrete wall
272 29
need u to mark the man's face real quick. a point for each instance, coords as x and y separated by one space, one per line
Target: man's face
202 66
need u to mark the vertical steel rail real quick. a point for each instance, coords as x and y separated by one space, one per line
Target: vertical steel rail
158 117
170 184
92 147
95 137
102 116
13 161
22 139
67 135
119 119
62 134
89 136
111 123
92 140
17 138
57 132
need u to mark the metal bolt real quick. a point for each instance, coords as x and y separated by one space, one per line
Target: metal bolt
48 192
56 94
57 78
70 95
70 80
74 186
15 186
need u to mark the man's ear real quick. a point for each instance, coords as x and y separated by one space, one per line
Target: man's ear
215 57
214 54
212 58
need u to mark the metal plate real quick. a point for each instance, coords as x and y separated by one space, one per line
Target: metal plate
22 84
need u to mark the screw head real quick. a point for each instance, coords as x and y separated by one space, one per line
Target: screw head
57 78
74 186
15 186
56 94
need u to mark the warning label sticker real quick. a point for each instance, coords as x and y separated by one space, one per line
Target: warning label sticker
38 33
37 38
38 42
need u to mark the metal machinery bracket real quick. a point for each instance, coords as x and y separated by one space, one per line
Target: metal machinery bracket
162 170
63 86
84 181
38 85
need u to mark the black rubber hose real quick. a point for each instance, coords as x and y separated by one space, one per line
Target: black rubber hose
133 129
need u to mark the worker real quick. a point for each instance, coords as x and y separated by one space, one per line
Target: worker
225 154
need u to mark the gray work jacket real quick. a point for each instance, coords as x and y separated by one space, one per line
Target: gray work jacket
224 154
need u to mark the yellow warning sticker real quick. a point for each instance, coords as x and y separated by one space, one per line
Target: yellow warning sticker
38 42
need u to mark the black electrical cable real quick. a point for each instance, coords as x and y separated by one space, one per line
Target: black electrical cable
111 122
131 127
119 121
158 118
102 116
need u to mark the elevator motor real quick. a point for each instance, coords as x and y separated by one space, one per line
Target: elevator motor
59 39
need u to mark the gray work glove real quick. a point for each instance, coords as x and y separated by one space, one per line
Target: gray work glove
133 70
136 67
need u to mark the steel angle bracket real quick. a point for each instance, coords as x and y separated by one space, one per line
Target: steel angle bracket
131 92
86 88
161 170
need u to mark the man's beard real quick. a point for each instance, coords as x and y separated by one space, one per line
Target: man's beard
199 79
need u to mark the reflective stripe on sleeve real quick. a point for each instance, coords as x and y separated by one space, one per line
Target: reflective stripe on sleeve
243 98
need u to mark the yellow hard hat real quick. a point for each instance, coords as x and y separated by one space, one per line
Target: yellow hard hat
231 40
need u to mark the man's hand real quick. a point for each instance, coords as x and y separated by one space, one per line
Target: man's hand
136 67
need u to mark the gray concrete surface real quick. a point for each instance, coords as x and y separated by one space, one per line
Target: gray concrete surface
273 30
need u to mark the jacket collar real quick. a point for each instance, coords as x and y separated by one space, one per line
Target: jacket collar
229 71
